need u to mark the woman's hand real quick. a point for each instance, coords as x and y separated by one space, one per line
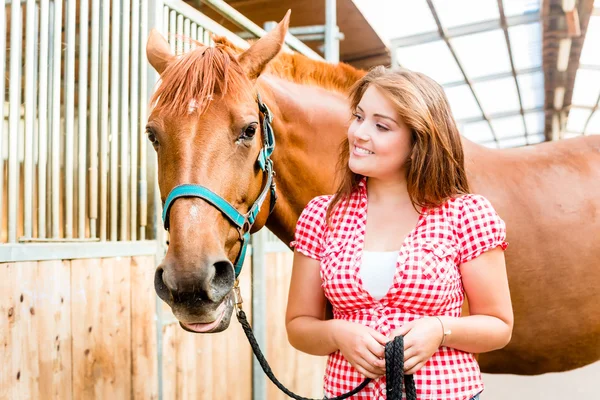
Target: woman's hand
422 338
363 347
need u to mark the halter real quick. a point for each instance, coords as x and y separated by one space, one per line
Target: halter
243 222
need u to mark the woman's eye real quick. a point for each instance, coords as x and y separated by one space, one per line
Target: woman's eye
382 128
358 117
249 131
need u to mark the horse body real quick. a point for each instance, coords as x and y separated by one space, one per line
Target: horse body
548 194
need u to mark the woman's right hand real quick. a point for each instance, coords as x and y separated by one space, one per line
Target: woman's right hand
363 347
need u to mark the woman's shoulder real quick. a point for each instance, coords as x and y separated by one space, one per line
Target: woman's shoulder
318 204
468 203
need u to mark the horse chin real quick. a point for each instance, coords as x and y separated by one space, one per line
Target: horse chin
218 322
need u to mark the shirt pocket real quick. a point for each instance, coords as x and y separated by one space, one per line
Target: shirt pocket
437 262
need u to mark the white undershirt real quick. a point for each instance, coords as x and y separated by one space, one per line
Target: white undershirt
377 271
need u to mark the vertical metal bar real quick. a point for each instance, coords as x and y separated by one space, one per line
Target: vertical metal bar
200 36
69 116
193 34
146 81
124 111
148 77
43 123
82 118
2 101
104 120
206 40
94 97
134 103
165 17
29 119
114 118
186 35
172 30
179 38
56 102
14 115
332 47
259 313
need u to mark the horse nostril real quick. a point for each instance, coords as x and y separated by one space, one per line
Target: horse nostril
222 281
160 286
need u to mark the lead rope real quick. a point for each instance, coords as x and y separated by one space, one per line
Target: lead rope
394 363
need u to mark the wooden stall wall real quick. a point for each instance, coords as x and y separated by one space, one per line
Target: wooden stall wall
81 329
86 329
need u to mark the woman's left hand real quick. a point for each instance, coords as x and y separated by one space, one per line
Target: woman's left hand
422 338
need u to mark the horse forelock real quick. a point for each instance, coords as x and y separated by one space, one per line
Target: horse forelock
196 78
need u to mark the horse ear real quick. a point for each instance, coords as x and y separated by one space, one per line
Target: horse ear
255 59
158 51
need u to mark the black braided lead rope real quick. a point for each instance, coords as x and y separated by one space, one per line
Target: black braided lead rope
394 360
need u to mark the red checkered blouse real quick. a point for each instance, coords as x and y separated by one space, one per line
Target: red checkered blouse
427 282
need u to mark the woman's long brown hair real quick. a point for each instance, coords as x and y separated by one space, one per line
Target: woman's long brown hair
435 168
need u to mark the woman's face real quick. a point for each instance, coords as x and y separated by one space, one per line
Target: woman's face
380 143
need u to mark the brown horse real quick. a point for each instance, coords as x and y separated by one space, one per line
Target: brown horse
206 129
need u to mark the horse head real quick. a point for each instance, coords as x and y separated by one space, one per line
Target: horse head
213 140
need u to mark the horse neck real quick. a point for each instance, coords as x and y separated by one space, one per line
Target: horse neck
310 123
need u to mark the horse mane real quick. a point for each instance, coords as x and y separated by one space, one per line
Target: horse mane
191 81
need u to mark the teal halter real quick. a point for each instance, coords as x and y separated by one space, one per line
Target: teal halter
243 222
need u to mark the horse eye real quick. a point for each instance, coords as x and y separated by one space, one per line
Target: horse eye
249 131
152 138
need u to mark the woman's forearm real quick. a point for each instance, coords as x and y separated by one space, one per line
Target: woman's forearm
312 335
476 333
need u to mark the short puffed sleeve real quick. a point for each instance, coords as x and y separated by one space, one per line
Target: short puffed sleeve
311 227
479 228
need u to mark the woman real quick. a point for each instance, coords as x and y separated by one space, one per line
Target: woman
396 249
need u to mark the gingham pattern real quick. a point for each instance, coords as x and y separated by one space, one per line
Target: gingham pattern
427 282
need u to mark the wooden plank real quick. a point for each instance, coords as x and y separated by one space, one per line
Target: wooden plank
35 337
19 371
143 329
101 313
52 324
169 361
299 372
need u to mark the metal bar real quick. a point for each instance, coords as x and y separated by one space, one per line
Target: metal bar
166 18
492 77
500 115
308 30
332 48
146 80
172 31
193 34
124 136
75 250
594 109
114 118
186 35
104 120
179 36
468 29
29 119
14 117
43 124
2 103
69 116
240 20
259 310
134 104
442 33
82 116
56 103
512 63
94 100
